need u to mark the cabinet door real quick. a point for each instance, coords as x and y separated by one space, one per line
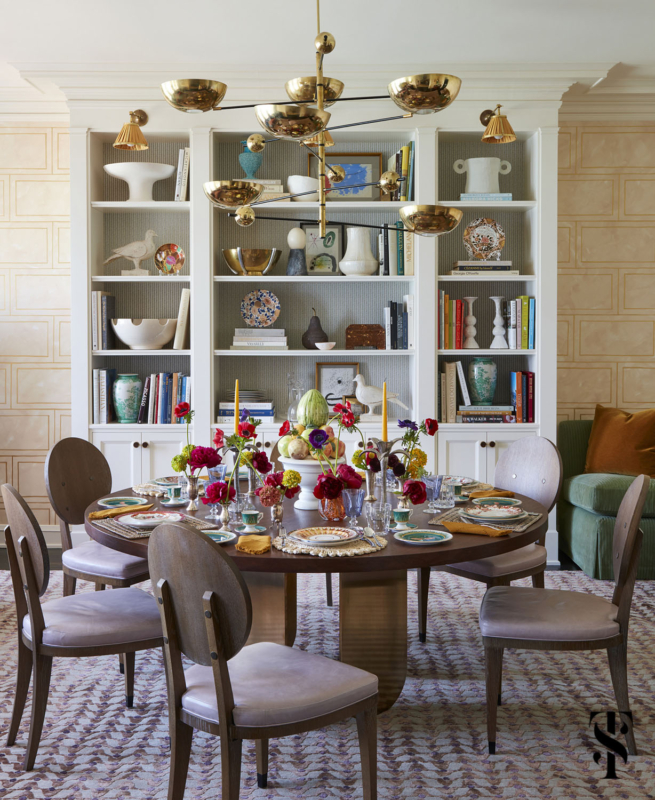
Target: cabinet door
497 444
267 436
122 449
157 450
463 453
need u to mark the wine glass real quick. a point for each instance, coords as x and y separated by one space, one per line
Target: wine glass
353 501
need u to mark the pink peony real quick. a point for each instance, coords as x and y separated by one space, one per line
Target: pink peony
327 487
348 476
203 457
415 491
218 493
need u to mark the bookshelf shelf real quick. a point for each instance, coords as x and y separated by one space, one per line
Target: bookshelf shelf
313 278
513 427
141 279
121 206
336 205
314 353
505 205
495 278
488 352
141 352
129 426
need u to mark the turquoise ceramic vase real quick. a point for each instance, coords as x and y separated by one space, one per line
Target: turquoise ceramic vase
250 162
483 376
127 397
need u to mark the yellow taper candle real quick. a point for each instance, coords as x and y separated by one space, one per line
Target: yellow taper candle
384 412
236 406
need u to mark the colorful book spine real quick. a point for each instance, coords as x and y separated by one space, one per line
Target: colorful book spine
524 396
385 245
400 244
143 408
458 325
387 327
412 158
530 396
404 171
408 309
525 313
531 323
446 322
178 178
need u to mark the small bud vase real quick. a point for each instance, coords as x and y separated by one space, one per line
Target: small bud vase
192 491
225 520
277 513
370 487
403 502
332 510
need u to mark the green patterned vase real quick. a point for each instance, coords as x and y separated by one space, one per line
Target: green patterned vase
483 375
127 397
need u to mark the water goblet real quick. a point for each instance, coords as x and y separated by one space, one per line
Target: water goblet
432 487
387 511
375 514
353 501
446 497
215 474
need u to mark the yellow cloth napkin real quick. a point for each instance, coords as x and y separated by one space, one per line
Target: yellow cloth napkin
106 513
471 527
255 545
492 493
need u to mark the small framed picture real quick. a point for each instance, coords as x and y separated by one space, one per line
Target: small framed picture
359 167
334 379
323 255
355 406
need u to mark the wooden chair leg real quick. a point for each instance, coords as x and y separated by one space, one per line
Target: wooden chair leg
24 671
69 585
493 660
538 580
121 663
42 668
100 587
328 588
618 661
368 743
261 747
181 736
230 768
128 663
423 580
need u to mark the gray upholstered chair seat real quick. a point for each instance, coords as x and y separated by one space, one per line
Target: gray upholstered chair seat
530 557
518 612
95 559
93 619
276 685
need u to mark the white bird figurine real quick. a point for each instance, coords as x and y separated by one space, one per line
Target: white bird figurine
136 252
371 396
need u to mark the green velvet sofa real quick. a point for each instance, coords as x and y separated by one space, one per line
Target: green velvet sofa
586 511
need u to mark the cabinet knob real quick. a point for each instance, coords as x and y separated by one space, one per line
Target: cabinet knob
135 444
492 444
267 444
145 444
483 444
360 444
258 444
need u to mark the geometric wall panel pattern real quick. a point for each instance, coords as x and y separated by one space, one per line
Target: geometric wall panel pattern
606 269
34 305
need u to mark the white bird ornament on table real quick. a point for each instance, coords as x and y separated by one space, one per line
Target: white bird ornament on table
136 252
371 396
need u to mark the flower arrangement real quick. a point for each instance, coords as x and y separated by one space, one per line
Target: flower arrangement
192 458
277 486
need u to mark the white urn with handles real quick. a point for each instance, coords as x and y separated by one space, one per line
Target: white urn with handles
482 174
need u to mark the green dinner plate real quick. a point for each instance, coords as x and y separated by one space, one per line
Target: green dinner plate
221 536
495 501
423 537
120 502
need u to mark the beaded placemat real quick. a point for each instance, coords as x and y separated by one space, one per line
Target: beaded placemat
132 532
358 548
454 515
149 489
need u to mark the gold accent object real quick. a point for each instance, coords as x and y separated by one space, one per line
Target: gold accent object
245 216
131 136
336 171
291 122
194 95
498 130
313 142
325 43
389 182
303 90
169 259
232 194
247 261
424 94
255 143
430 220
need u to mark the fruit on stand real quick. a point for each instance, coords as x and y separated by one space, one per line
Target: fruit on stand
313 411
283 445
298 449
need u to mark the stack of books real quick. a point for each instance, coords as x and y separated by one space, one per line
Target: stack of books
396 250
496 268
182 179
103 309
491 197
103 405
486 414
162 391
259 338
522 395
521 330
264 410
399 324
402 162
273 188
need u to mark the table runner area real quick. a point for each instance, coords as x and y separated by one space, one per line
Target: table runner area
131 532
454 515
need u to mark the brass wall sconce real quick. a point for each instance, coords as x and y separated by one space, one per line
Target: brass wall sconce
131 136
497 128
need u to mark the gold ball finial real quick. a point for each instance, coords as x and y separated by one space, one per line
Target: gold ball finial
325 43
336 173
245 216
256 143
389 182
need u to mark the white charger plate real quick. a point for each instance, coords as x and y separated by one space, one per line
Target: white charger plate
325 537
149 519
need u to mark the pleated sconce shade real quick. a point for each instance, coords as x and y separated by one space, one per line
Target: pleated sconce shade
131 136
498 130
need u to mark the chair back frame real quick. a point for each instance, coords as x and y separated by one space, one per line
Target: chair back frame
23 524
531 466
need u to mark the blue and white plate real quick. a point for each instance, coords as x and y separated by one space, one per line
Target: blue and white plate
122 502
260 309
171 481
180 501
423 537
221 537
253 529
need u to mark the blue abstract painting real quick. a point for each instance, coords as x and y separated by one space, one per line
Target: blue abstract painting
355 175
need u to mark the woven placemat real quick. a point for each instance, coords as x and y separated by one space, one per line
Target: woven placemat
454 515
358 548
132 532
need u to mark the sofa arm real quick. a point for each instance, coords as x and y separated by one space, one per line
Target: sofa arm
572 441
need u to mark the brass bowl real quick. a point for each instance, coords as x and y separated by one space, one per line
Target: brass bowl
303 90
430 220
292 122
232 194
243 261
194 94
424 94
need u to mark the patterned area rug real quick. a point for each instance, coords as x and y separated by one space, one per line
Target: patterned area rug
432 743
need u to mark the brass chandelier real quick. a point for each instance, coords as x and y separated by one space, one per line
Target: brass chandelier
306 121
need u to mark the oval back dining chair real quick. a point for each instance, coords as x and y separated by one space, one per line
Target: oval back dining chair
551 619
234 690
77 474
89 624
531 466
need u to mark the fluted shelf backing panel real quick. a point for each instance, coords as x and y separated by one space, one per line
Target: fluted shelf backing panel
157 301
451 246
157 153
270 374
452 184
505 364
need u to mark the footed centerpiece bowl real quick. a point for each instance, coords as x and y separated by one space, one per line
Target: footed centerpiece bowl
144 334
140 177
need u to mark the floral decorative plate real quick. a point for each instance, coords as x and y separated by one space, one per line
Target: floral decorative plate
484 239
458 480
260 309
495 501
119 502
325 537
494 512
169 259
222 537
172 481
423 537
148 519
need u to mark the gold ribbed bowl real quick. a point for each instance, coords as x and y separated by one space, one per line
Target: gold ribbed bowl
194 94
424 94
232 194
292 122
430 220
247 261
303 90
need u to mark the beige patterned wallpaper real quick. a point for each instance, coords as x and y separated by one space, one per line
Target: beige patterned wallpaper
34 306
606 257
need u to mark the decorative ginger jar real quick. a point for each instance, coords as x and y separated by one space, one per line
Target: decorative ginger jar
359 258
127 397
483 375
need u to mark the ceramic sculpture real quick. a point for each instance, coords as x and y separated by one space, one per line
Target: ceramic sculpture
140 177
136 252
482 174
297 263
499 341
358 258
469 326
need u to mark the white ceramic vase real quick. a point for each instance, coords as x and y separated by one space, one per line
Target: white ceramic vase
359 258
469 326
140 177
309 470
482 174
499 341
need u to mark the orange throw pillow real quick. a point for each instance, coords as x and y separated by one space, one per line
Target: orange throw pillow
622 443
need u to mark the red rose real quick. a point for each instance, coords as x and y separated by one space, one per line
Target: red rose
349 477
327 487
219 438
261 463
218 492
415 491
286 427
203 457
431 426
347 419
181 410
274 479
292 492
246 430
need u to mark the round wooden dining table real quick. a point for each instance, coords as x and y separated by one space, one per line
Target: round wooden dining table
372 588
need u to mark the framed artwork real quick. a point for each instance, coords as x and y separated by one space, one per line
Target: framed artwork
357 408
323 255
359 168
334 379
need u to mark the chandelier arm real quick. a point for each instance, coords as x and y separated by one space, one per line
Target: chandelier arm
325 166
313 191
353 225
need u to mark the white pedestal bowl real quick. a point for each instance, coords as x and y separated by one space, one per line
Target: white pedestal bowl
309 470
140 177
144 334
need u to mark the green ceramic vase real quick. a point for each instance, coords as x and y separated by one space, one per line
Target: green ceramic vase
127 397
483 376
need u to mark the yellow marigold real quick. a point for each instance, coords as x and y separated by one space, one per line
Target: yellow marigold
359 459
418 460
179 463
291 479
246 458
420 457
